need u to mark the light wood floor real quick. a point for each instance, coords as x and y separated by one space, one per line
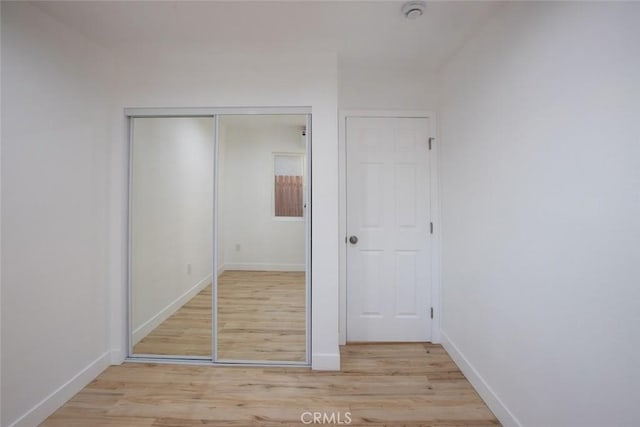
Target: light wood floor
261 316
380 384
187 332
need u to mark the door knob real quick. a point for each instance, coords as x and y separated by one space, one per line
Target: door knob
353 240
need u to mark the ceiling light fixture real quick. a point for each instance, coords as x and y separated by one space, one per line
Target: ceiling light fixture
413 9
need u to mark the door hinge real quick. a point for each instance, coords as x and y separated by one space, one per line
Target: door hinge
431 227
431 312
431 140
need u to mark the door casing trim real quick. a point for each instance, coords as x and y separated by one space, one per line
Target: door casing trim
436 242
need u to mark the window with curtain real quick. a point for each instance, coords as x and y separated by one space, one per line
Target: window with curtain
289 181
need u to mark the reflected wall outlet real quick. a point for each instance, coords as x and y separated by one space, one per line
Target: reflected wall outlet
188 268
237 247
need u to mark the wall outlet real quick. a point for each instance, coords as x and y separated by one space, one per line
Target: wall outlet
237 247
189 269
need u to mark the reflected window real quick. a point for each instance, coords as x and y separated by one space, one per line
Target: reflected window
288 185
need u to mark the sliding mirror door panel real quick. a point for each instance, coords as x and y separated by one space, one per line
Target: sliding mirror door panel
171 236
262 243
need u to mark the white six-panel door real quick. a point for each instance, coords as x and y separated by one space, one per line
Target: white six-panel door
388 197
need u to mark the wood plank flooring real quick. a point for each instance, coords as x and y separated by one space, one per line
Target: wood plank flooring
261 316
187 332
379 385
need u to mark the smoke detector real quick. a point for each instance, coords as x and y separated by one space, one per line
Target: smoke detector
413 9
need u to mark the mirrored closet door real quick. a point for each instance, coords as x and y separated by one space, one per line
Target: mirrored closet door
262 238
171 236
219 236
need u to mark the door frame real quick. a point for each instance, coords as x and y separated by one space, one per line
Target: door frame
436 248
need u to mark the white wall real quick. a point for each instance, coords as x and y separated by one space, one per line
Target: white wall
541 211
55 117
172 216
181 79
0 230
392 88
0 233
253 238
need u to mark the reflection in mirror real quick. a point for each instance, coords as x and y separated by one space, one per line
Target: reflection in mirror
171 232
261 256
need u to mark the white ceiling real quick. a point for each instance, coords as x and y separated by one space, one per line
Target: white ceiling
361 32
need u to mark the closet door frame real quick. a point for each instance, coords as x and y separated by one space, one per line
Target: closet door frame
214 113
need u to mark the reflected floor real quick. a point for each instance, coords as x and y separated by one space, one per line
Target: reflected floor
187 332
261 316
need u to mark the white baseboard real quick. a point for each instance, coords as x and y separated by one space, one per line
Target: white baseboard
325 362
117 356
62 394
260 266
221 269
148 326
499 409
